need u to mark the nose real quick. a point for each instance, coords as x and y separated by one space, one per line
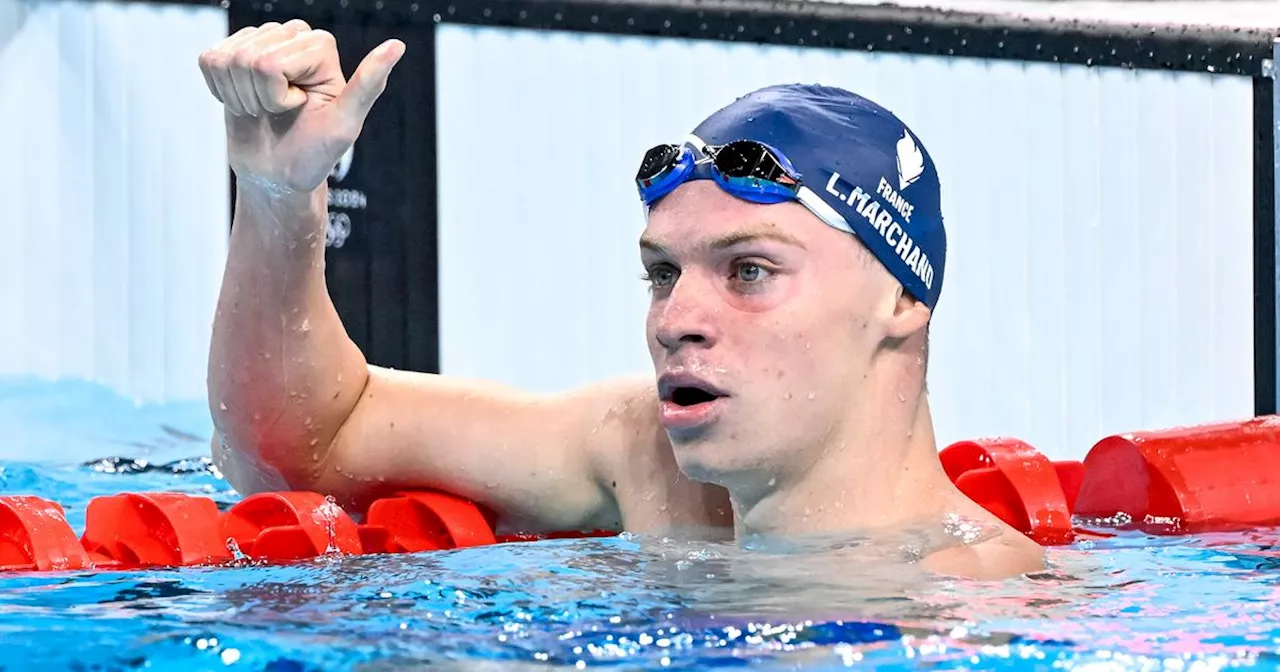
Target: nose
686 316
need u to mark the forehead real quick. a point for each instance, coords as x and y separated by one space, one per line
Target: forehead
699 211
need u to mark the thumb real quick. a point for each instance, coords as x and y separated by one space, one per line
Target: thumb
369 81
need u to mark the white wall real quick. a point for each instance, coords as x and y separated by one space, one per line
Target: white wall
1099 272
115 194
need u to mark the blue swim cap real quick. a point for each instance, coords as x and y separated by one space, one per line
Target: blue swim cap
862 162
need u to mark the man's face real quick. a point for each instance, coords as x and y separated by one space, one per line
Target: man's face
762 324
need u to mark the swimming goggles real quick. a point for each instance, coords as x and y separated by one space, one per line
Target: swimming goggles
748 169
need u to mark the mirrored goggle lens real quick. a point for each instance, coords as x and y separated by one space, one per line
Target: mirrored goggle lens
750 159
657 160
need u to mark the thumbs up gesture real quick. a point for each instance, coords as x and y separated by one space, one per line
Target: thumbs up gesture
290 112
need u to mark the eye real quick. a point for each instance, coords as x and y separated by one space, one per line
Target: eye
660 276
750 273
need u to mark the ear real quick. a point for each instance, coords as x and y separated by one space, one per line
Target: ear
909 316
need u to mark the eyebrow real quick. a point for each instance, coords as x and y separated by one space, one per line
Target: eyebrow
732 239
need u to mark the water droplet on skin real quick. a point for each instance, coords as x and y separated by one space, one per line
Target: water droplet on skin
382 479
222 406
662 509
807 511
773 482
786 396
266 355
491 485
812 396
648 496
315 457
314 442
306 324
807 346
339 377
902 397
257 417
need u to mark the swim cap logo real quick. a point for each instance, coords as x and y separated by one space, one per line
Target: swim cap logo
910 161
880 219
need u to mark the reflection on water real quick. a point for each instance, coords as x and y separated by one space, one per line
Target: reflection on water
633 602
661 603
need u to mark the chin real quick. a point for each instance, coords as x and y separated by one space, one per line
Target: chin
714 460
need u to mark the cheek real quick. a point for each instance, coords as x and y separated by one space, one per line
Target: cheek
789 359
799 358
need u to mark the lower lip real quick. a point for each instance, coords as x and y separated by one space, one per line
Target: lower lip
675 416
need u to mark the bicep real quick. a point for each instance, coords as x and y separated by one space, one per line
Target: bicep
526 457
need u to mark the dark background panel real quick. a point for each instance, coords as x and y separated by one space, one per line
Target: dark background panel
380 267
1264 247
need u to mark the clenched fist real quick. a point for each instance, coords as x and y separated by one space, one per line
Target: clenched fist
290 112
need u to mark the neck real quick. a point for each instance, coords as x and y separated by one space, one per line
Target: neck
879 469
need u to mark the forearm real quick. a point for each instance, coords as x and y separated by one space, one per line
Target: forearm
283 374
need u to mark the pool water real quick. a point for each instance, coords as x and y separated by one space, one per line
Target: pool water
631 602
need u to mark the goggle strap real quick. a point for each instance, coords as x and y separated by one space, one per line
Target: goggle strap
825 212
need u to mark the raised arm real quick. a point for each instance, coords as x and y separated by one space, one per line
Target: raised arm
294 403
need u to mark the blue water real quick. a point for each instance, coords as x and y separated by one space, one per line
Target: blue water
630 602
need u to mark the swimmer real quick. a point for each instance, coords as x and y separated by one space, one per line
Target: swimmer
794 250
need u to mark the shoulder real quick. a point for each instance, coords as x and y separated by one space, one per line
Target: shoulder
624 439
1007 556
615 414
634 460
614 420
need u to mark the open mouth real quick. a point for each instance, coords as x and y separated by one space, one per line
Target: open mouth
687 402
691 396
685 391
